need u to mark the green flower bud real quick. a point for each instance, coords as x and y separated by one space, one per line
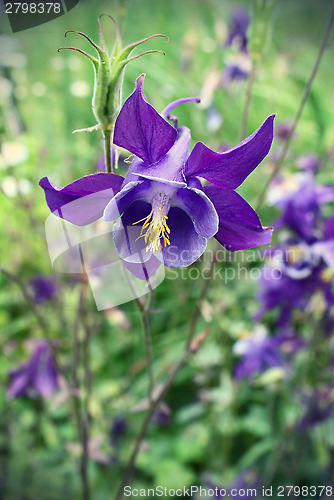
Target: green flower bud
260 29
109 72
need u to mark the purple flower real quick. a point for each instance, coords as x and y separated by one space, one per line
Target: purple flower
258 353
38 375
233 72
301 206
118 430
319 407
309 163
283 130
278 290
298 264
161 204
238 29
44 288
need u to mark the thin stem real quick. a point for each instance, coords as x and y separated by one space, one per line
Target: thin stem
30 300
146 312
28 297
166 386
87 366
107 150
250 83
300 110
80 416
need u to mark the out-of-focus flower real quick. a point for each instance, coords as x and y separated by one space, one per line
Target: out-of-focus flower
283 130
300 200
162 203
297 267
309 163
258 352
278 290
45 288
319 407
238 29
233 72
38 375
118 430
162 415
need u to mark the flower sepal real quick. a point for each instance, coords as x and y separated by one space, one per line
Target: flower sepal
109 70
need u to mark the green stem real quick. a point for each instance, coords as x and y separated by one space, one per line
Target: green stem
166 386
146 312
35 310
250 83
81 418
300 110
107 150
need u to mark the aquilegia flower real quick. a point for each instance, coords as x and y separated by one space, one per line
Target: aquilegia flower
238 28
38 375
258 352
160 208
298 265
44 288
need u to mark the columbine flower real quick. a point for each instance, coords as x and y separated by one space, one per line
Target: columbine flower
301 206
38 375
319 408
44 288
298 265
258 353
238 29
160 207
234 71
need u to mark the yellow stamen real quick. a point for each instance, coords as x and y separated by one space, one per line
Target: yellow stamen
156 225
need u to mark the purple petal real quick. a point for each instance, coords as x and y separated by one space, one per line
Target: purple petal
84 200
186 245
230 169
199 208
329 230
141 130
44 374
145 270
19 381
239 225
324 194
325 250
165 112
46 379
131 192
129 245
170 168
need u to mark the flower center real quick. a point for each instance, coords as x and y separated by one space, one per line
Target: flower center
156 225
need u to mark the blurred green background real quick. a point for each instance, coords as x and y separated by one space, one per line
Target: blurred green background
218 427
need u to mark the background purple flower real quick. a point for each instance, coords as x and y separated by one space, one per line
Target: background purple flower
38 375
258 352
238 28
44 288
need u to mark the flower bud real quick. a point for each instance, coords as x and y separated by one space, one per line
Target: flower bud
109 70
260 30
